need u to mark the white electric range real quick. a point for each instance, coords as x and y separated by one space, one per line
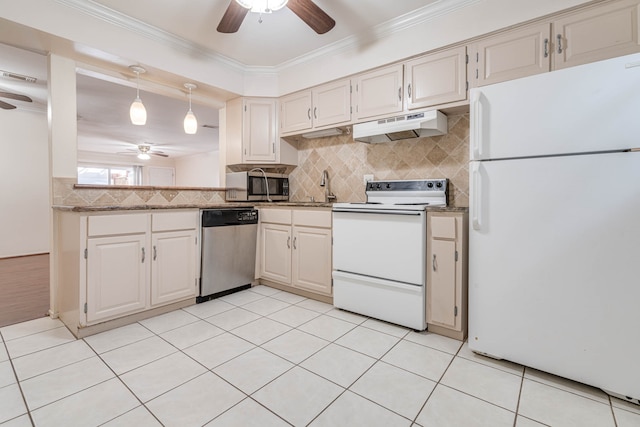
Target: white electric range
380 250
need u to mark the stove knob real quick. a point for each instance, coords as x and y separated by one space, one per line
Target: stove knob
378 186
430 184
439 185
388 185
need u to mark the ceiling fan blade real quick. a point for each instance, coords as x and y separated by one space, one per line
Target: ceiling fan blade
156 153
312 15
15 96
232 18
6 106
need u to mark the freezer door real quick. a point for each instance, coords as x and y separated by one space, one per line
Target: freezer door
588 108
554 265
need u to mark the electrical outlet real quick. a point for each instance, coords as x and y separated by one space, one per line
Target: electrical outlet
367 177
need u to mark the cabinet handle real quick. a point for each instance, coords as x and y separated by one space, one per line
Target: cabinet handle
399 94
294 243
289 242
143 255
155 252
309 113
433 263
409 90
559 43
315 112
546 48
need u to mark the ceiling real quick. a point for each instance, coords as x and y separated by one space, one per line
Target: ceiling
104 97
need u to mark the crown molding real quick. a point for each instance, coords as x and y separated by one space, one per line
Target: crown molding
417 17
113 17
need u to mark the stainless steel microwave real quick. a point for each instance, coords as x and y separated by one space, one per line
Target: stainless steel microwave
256 186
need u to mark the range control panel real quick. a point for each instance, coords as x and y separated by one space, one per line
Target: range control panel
408 185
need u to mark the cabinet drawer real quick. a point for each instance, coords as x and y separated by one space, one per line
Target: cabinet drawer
105 225
443 227
167 221
276 216
312 218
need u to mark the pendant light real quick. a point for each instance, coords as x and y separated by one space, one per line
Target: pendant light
137 112
190 122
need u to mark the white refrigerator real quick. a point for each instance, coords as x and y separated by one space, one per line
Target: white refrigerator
554 244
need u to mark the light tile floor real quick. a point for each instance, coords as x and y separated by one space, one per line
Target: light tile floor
263 357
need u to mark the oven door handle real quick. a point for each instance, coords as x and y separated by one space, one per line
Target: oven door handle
379 211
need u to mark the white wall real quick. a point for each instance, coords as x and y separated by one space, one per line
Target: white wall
24 183
198 170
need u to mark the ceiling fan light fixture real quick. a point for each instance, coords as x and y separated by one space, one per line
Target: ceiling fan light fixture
137 112
144 156
190 121
262 6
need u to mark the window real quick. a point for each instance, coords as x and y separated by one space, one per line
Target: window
109 175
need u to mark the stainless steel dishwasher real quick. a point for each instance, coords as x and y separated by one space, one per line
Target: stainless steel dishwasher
228 251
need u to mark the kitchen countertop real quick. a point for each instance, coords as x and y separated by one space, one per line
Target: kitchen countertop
223 206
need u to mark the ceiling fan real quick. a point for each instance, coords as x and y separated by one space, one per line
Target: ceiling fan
10 95
144 151
306 10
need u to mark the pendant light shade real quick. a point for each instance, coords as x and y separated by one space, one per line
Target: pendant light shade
137 112
190 121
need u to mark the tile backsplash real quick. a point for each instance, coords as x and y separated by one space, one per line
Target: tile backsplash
347 162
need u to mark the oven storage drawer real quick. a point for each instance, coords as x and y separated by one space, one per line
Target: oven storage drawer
394 302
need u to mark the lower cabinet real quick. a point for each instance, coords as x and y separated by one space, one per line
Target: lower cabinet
447 273
116 276
117 264
295 248
173 266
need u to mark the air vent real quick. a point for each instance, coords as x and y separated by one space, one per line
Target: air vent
11 75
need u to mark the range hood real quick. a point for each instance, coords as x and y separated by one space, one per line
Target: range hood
414 125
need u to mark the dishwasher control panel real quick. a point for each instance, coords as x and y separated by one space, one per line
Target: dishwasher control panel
248 216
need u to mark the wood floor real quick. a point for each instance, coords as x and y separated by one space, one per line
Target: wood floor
24 288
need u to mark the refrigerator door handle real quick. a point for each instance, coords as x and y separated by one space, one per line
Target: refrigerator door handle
476 128
476 207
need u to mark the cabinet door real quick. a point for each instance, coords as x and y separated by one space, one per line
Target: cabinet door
259 130
600 33
442 296
295 112
311 259
116 276
332 104
513 55
379 92
437 79
276 252
173 272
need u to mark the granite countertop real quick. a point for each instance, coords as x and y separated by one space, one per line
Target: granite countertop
225 206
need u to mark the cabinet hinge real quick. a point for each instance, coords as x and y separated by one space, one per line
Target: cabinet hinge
455 311
274 148
196 240
351 109
85 308
477 56
456 256
86 253
350 89
245 108
245 151
476 73
466 86
467 58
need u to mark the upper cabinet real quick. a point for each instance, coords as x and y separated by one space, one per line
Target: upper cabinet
252 134
598 33
378 93
317 108
436 79
511 55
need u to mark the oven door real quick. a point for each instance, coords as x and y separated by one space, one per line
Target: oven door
381 244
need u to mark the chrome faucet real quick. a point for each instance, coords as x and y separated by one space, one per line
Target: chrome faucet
324 182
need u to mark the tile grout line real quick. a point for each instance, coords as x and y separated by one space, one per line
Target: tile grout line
15 374
515 419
